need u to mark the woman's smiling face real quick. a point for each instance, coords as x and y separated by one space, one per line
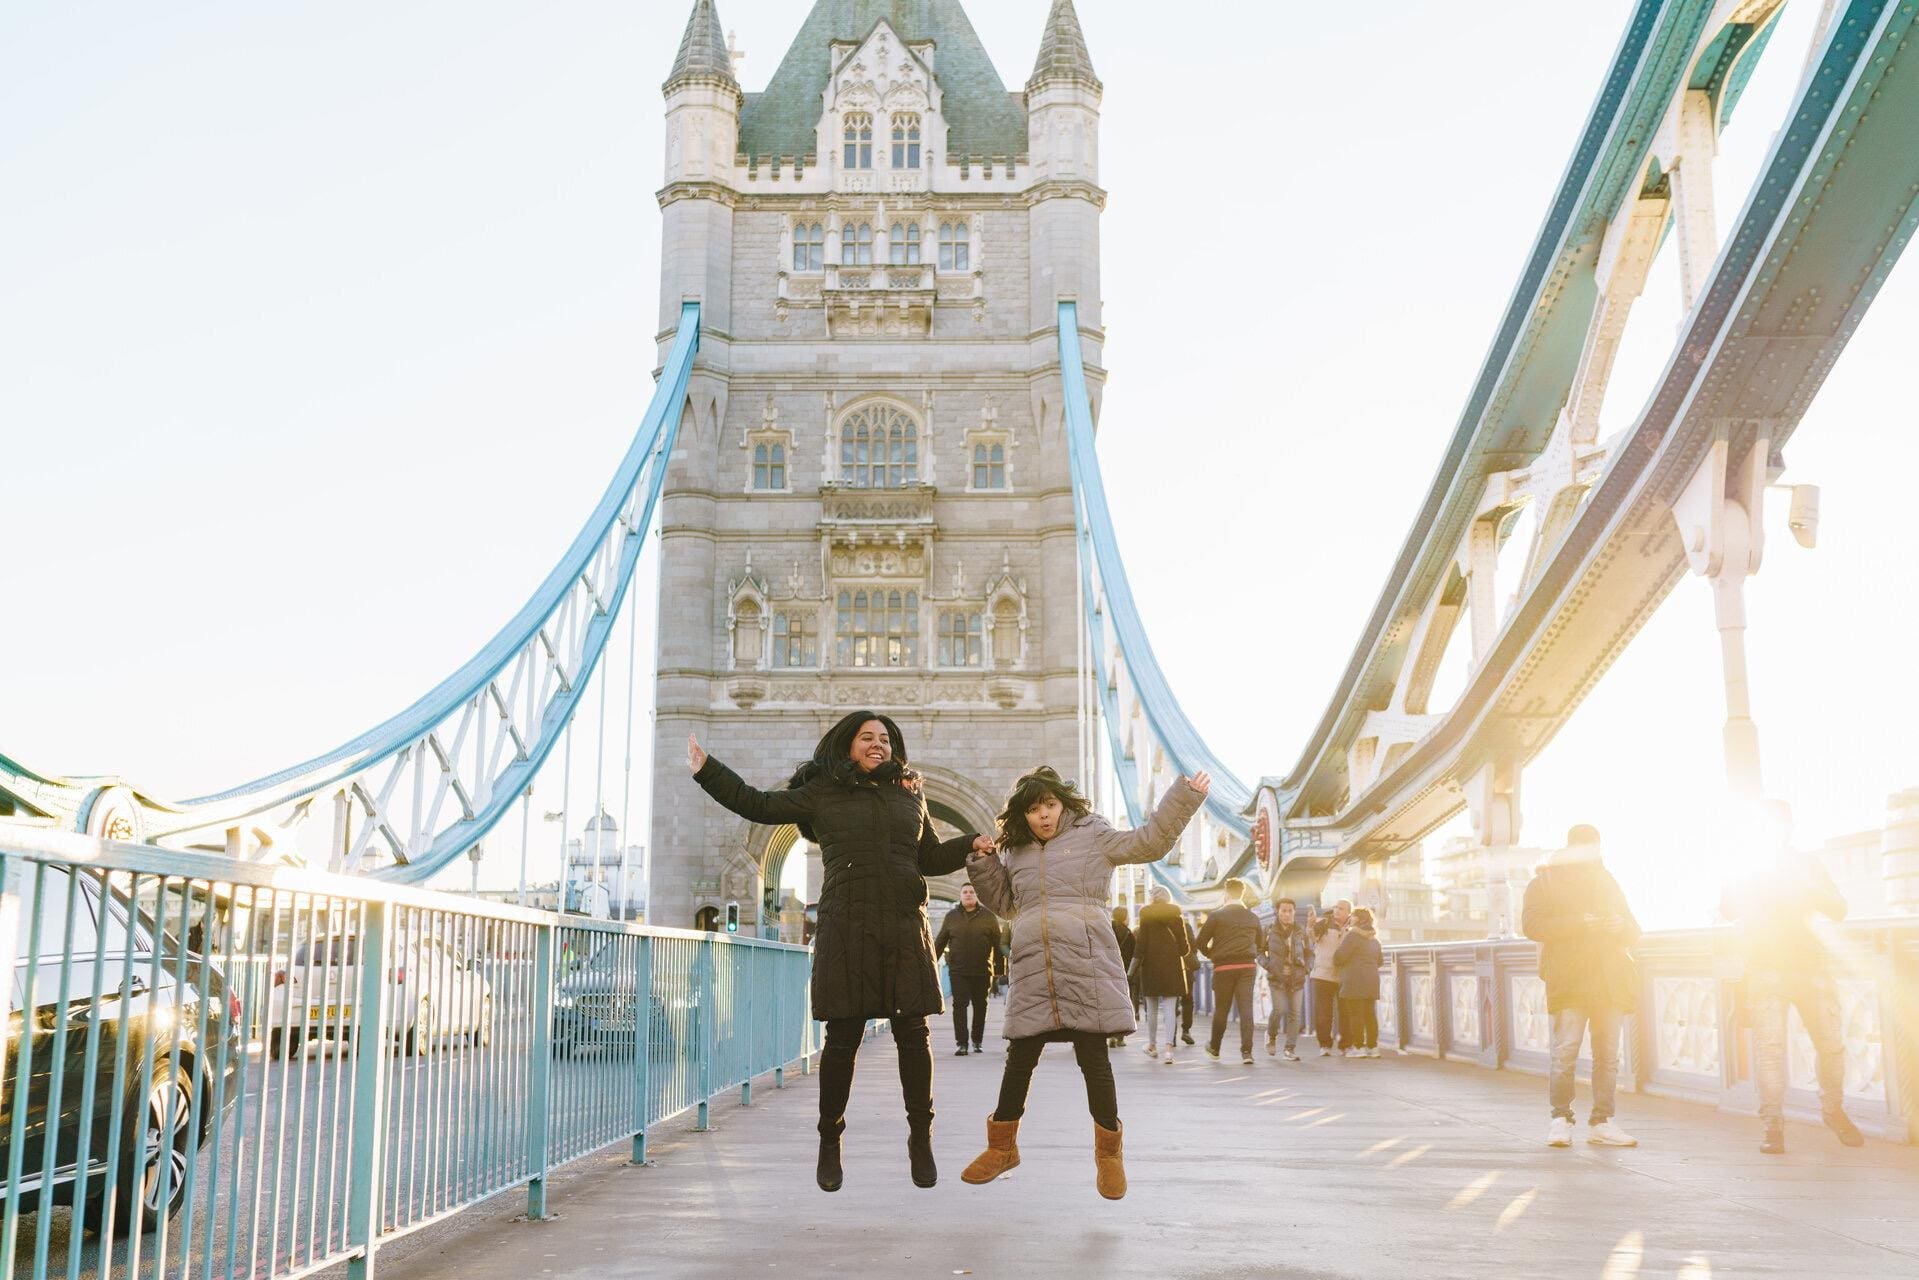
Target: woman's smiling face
1042 817
872 746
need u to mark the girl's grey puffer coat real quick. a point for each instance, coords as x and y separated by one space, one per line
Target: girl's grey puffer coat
1066 970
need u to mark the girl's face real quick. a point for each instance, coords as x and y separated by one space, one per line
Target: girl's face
1043 817
872 747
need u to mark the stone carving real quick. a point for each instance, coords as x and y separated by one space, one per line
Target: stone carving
1532 1025
1465 1010
1686 1025
1425 1014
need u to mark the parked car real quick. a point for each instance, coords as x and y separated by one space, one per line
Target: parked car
435 993
134 1017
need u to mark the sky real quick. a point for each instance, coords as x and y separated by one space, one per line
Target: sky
323 325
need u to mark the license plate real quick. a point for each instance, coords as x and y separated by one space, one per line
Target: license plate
324 1013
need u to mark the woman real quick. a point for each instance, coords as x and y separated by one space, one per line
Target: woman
1161 945
1069 984
1357 962
872 955
1123 935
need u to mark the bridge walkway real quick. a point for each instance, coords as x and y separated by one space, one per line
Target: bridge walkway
1325 1168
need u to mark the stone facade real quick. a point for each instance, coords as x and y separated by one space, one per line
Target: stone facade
773 528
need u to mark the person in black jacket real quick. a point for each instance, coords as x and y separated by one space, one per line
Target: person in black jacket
1187 1001
1123 934
1236 944
1160 948
969 939
873 954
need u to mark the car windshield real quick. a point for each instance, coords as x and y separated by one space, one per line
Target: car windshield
334 950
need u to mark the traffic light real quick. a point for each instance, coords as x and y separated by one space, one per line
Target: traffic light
732 917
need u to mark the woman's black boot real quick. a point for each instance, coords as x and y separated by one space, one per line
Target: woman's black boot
829 1174
919 1149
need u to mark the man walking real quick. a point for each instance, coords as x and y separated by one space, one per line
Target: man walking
1577 914
969 939
1187 1001
1236 944
1788 964
1327 933
1289 956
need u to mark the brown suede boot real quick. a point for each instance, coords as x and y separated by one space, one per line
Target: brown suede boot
1109 1161
1001 1154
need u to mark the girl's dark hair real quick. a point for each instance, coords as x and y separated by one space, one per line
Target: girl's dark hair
833 757
1029 791
1363 917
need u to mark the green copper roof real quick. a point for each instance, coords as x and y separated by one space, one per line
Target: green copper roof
982 118
703 48
1062 50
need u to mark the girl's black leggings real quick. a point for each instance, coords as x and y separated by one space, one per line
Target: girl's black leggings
1089 1047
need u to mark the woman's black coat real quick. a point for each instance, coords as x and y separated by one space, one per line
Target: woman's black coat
1162 947
872 952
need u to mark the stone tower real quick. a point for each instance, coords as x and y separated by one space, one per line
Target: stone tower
870 503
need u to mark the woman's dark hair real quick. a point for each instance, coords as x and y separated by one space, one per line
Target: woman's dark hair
1029 791
1119 915
1363 917
833 757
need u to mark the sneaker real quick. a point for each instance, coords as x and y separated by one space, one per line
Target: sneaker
1272 1047
1841 1123
1608 1134
1373 1052
1774 1142
1212 1051
1187 1038
1560 1132
1168 1059
1325 1052
979 1048
1152 1051
1292 1056
960 1052
1246 1060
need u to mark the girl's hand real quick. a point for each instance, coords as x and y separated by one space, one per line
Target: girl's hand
983 845
1200 782
695 757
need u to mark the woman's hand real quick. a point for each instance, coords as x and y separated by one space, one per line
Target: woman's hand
1200 782
695 756
983 845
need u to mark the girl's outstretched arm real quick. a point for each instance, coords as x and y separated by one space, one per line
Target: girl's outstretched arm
994 886
768 807
1156 839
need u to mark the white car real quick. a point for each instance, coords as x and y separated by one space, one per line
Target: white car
436 992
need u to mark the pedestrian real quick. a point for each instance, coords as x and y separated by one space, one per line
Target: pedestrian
1123 934
1788 964
1052 876
1159 959
1357 963
1235 943
1328 932
1289 957
1578 915
969 939
1187 1001
859 802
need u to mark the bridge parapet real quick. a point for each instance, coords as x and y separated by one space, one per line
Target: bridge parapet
1484 1003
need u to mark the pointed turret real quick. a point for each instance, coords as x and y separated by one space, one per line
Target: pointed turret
1062 50
703 52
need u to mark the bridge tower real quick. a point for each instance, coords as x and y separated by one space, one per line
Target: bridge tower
870 504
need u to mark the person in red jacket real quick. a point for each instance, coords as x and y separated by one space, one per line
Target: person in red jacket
1578 915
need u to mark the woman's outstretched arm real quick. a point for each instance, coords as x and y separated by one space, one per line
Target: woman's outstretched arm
769 807
1156 839
942 857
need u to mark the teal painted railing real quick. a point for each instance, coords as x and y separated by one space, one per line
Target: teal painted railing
213 1068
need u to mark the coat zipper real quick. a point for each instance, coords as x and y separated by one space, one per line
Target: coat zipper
1046 938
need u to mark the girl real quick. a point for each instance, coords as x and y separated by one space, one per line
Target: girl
1357 961
872 955
1052 878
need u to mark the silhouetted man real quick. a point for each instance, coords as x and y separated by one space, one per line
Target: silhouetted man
969 939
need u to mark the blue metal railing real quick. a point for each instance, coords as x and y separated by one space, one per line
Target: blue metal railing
216 1068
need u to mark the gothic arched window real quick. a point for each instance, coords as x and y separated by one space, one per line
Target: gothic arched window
904 244
879 448
856 244
809 247
769 466
954 246
879 628
859 140
989 466
960 639
906 142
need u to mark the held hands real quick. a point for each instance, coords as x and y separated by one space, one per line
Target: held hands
1200 782
984 845
695 755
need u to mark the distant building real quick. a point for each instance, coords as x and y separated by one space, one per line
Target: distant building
605 879
1878 869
